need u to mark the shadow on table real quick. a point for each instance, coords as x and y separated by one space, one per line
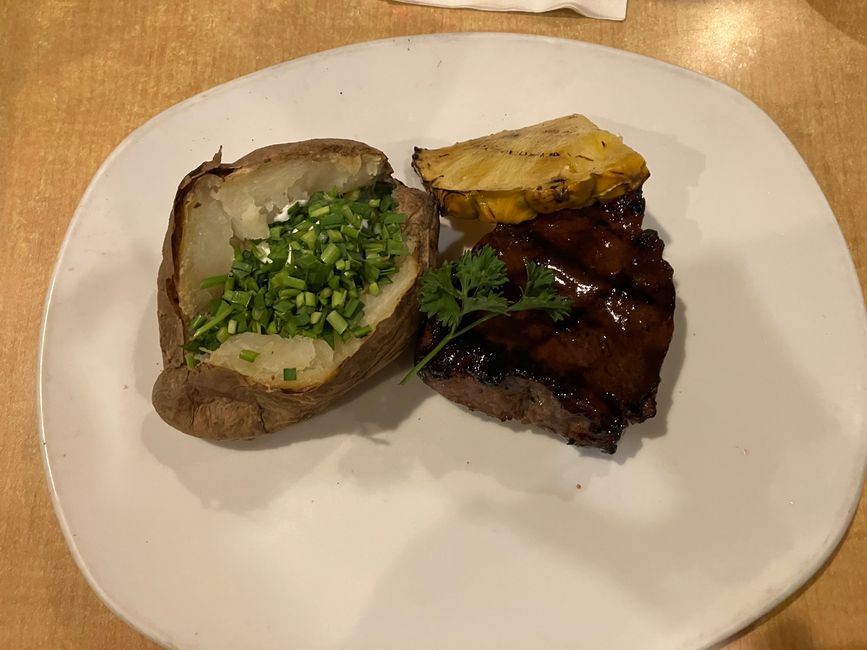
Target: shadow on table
850 17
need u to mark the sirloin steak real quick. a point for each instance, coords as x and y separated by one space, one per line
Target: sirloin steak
585 377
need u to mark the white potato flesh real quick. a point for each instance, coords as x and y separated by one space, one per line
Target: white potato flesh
205 250
242 205
314 361
254 196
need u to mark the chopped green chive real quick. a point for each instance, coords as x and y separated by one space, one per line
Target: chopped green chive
223 312
283 307
309 238
237 297
309 276
248 355
241 269
330 254
330 220
397 248
350 307
338 297
213 281
198 321
295 283
337 322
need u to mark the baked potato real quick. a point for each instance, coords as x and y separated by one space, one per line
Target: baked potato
246 383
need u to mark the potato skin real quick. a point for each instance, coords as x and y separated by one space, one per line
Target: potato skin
220 404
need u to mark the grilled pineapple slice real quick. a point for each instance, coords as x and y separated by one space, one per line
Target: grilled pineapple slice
512 176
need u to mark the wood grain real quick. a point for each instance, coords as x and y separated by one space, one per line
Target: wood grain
76 76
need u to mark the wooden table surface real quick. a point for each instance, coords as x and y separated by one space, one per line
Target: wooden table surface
77 76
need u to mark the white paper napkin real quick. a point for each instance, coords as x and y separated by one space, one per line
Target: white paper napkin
607 9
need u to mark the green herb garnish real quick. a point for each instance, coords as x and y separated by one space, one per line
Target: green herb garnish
309 276
248 355
480 277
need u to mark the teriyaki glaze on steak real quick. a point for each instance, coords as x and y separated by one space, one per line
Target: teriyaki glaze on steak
585 377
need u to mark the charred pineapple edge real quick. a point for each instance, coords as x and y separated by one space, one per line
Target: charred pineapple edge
625 172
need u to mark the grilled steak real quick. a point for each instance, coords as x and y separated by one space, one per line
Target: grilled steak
585 377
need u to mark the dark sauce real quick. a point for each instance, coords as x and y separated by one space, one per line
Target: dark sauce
603 360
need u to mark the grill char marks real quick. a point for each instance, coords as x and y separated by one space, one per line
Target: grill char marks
591 374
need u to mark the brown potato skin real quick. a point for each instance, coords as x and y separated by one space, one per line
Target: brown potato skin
221 404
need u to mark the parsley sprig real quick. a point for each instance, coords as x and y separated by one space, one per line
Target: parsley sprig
480 277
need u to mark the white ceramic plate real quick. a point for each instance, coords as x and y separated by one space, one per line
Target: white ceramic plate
399 520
